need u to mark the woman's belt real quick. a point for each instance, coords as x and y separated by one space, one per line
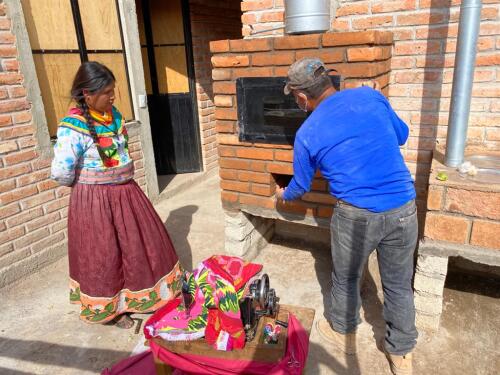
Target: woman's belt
116 175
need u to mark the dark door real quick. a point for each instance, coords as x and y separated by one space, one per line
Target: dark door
167 60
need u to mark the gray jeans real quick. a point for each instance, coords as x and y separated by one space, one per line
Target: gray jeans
355 234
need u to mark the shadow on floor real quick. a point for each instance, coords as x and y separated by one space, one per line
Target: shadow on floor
50 354
178 225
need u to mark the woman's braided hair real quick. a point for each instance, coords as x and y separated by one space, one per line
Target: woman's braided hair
91 77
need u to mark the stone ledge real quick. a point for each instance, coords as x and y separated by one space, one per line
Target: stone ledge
472 253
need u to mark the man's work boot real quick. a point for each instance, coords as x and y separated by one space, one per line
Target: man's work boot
400 364
345 342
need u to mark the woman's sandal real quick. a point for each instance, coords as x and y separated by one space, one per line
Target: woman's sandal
123 321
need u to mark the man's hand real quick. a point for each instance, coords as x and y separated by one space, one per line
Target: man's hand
279 192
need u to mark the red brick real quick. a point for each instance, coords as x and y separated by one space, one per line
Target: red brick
51 184
435 197
417 77
426 18
226 151
18 194
221 74
264 190
8 146
263 178
224 87
256 5
226 114
222 61
8 51
14 171
368 53
402 62
17 91
286 169
43 222
11 234
218 46
254 153
250 45
243 187
493 134
372 22
38 199
404 34
350 9
11 65
2 9
234 163
6 211
16 132
253 72
228 174
19 157
267 59
24 217
223 100
488 60
437 32
393 6
473 203
56 205
225 126
297 42
339 25
30 238
356 37
489 29
5 23
447 228
272 16
47 242
33 177
283 155
327 56
5 120
7 185
417 48
485 234
249 19
10 78
263 202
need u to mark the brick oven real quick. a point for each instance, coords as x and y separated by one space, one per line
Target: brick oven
250 166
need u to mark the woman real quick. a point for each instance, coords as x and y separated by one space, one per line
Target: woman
121 259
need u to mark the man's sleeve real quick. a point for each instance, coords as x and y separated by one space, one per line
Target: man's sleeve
303 172
400 127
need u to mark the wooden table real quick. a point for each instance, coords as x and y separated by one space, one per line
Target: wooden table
253 350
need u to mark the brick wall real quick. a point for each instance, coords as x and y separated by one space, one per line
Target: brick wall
33 209
247 169
262 18
210 20
425 38
462 211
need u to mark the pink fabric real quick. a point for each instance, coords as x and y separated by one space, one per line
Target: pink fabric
141 364
292 363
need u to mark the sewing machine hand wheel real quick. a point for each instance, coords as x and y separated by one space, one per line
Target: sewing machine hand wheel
263 290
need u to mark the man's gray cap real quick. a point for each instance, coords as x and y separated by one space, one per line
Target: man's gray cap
305 73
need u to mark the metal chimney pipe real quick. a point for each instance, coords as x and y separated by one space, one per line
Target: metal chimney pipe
463 77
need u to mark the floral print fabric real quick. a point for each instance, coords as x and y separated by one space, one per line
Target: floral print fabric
75 152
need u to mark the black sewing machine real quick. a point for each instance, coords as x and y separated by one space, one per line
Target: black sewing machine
260 301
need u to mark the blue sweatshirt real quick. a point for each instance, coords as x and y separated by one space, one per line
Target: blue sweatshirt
353 137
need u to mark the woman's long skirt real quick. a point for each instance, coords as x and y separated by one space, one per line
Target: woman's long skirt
121 258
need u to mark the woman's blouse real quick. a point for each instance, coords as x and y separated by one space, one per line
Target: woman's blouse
77 158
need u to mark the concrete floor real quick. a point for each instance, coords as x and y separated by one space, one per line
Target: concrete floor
40 332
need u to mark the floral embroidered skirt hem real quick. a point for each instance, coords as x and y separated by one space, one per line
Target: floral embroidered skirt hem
121 258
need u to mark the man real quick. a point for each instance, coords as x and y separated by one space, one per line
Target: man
353 138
